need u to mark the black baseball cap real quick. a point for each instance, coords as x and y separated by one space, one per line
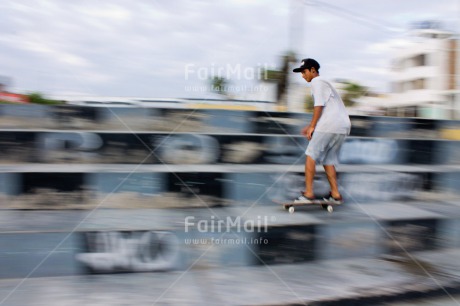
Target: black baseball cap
307 63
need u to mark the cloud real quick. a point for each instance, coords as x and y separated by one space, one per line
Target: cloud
387 46
383 71
111 13
142 47
33 45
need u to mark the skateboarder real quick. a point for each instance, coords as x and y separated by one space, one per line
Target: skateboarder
326 132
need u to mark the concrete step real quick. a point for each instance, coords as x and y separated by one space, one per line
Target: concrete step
120 240
365 281
83 147
51 186
220 168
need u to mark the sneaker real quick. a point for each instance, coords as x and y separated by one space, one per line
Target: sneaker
303 199
331 199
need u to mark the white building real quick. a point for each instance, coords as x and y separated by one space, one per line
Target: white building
425 75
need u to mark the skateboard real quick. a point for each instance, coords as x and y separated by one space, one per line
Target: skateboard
327 205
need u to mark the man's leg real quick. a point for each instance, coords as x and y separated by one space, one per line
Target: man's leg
310 169
332 178
331 159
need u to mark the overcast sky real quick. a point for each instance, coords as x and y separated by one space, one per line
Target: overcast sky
160 48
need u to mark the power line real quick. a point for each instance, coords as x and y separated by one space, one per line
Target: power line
354 16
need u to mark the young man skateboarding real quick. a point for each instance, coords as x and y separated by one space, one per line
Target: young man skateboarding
326 133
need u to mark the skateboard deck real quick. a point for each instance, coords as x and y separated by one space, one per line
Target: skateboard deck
327 205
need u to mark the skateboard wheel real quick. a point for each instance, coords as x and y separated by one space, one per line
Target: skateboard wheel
324 206
291 209
286 207
330 208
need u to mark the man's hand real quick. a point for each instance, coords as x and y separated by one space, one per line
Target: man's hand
308 131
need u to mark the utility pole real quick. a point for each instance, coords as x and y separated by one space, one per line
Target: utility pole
296 24
295 45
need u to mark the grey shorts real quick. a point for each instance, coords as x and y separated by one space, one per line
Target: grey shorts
324 148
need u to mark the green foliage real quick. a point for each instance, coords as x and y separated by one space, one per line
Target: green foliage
219 85
271 75
38 98
280 77
352 91
309 104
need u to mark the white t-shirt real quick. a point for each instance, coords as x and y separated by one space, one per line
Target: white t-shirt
334 118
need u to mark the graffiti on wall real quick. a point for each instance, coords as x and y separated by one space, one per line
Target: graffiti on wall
130 251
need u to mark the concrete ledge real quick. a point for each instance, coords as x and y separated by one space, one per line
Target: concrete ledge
118 240
222 168
336 282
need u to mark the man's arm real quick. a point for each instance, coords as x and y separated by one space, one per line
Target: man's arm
308 130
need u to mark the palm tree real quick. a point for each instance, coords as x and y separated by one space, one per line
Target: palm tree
280 77
219 85
352 91
309 104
